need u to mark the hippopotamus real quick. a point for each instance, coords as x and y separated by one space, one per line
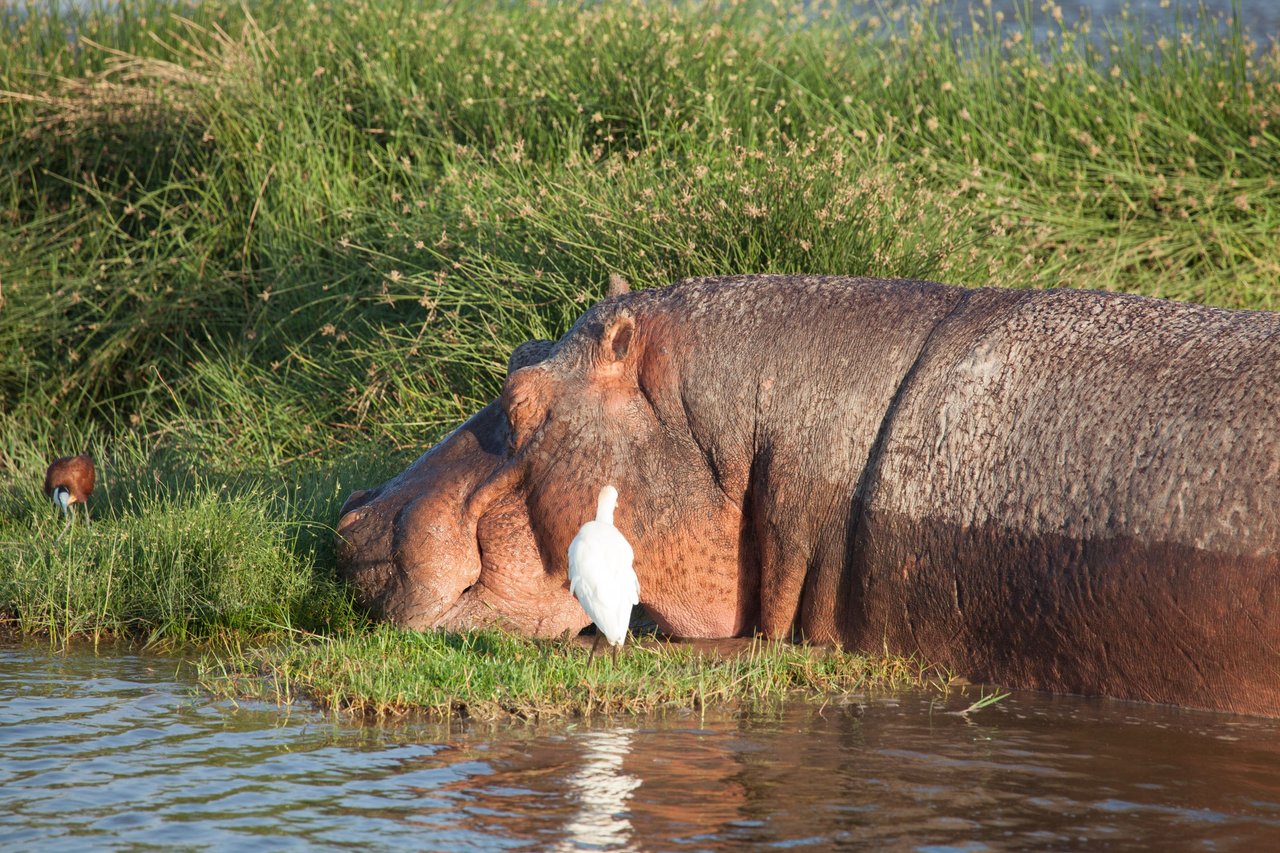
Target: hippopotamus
1063 490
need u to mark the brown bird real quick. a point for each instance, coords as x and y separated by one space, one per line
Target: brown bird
69 481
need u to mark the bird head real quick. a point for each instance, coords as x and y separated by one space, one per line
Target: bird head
61 498
606 503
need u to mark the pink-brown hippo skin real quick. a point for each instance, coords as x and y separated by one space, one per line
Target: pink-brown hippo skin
1062 490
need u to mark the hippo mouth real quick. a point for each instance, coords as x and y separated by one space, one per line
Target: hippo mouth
461 613
458 613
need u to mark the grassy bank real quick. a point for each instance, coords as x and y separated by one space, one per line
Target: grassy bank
254 257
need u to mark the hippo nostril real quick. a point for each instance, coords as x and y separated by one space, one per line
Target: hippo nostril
468 589
354 501
347 519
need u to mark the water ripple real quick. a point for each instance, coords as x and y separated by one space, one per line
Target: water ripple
122 751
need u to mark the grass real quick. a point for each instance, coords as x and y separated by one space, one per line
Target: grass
174 558
255 257
386 673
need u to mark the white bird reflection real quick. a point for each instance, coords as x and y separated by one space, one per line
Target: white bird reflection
603 789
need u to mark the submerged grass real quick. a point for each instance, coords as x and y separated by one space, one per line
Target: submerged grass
257 255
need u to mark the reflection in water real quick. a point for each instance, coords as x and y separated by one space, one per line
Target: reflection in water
602 791
121 752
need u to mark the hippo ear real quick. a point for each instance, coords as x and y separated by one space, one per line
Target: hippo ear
529 352
615 343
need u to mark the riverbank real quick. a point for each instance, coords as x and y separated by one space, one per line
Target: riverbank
256 257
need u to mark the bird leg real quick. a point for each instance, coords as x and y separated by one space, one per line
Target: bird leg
614 654
594 646
65 528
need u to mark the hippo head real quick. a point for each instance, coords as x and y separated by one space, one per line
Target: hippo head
476 531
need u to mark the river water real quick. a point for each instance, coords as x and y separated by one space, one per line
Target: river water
124 752
1260 17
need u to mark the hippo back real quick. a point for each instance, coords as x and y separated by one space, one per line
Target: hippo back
1078 491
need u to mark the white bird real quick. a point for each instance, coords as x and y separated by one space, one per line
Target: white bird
601 576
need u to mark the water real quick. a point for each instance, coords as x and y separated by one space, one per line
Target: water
1260 17
120 752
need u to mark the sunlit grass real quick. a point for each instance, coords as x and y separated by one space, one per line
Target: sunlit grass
171 557
389 673
257 256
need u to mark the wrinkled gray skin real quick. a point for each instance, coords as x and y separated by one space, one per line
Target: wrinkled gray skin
1064 490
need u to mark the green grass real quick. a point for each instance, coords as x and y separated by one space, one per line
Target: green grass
385 673
173 558
255 257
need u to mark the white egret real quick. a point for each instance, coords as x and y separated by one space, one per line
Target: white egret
601 576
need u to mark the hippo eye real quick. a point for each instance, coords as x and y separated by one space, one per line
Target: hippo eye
522 405
512 419
511 433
